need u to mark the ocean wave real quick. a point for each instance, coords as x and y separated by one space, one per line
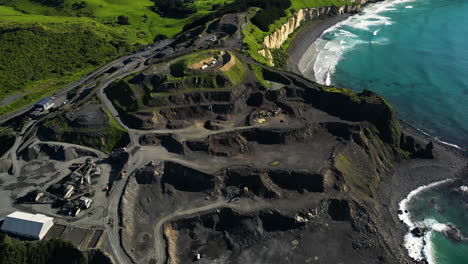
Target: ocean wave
419 247
435 138
336 40
381 41
464 188
428 249
405 217
408 7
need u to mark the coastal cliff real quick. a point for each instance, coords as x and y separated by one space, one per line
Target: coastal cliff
276 39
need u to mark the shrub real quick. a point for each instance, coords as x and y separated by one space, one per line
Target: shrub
52 3
280 58
173 8
52 54
43 252
272 10
160 37
178 69
266 17
123 20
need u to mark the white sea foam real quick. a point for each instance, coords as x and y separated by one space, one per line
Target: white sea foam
464 188
438 139
408 6
418 246
435 138
327 53
428 249
434 225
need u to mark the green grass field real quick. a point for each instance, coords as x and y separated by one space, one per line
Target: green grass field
142 19
73 42
44 47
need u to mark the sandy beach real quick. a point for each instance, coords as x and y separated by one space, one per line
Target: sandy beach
306 37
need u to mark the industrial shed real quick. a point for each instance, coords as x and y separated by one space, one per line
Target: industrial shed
45 104
30 226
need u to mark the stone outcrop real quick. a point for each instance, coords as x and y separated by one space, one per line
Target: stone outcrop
279 36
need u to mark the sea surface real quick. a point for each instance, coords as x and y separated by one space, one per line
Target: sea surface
415 54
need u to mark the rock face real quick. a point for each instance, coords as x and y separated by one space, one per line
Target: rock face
279 36
418 231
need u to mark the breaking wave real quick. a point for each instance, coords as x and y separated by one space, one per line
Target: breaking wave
464 188
328 50
420 248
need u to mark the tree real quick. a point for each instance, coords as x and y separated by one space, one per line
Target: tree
123 20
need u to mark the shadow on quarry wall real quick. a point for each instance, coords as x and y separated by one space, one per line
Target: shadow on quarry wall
187 179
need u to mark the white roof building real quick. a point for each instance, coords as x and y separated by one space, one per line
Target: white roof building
31 226
45 104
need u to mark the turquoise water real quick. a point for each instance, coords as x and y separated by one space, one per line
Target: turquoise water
415 54
435 208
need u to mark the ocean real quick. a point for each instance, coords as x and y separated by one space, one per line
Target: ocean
415 54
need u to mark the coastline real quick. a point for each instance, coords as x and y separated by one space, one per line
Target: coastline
410 176
307 36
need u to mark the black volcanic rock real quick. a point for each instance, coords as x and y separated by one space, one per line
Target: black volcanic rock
418 231
429 151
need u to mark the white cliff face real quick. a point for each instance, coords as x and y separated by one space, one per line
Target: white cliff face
279 36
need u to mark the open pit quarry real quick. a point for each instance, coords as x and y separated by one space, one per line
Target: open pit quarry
206 155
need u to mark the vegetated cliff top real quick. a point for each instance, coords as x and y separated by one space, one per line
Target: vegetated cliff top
65 40
53 32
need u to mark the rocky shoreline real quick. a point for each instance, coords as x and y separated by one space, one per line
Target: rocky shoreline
449 162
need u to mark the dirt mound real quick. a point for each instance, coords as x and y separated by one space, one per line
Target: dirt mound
150 174
235 230
224 144
87 116
54 152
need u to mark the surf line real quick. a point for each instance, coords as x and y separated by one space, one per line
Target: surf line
419 248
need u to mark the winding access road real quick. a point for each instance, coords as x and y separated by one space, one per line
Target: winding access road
145 52
160 243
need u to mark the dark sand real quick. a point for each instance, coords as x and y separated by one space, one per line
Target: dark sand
304 39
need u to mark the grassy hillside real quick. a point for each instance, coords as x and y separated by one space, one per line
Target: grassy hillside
39 57
46 44
266 20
